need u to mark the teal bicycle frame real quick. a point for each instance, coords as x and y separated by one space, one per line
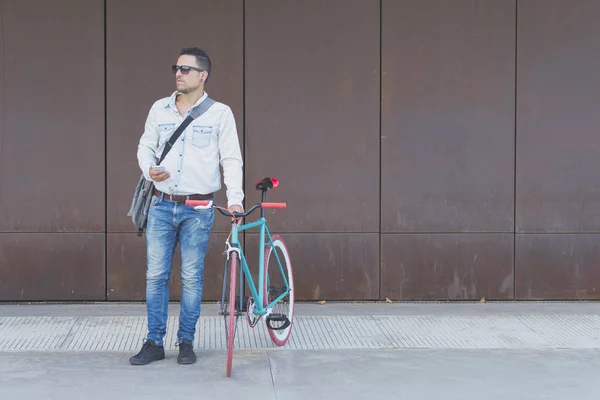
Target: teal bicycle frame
258 295
256 307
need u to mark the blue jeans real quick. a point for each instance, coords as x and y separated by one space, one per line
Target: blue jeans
168 223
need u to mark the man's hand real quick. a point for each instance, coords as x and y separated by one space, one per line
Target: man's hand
236 208
159 176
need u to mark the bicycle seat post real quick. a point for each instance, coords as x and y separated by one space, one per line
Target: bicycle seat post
263 212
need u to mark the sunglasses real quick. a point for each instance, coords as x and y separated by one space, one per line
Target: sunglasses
185 69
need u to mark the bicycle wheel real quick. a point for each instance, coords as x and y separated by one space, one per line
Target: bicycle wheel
231 314
275 286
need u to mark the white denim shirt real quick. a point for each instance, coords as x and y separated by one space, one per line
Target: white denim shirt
193 162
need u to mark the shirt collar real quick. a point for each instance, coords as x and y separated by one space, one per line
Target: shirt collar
173 97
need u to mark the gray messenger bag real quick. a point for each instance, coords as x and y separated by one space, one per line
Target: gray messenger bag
145 188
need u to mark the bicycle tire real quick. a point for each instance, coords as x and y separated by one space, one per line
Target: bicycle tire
280 337
232 313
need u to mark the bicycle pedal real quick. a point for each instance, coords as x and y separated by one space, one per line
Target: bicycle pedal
277 318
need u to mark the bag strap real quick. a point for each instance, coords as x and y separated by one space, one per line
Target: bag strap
195 113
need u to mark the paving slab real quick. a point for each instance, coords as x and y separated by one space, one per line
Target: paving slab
106 375
313 308
436 374
307 374
473 326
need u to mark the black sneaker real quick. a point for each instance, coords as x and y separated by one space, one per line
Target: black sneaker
186 352
150 352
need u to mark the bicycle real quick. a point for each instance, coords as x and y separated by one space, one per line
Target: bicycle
269 299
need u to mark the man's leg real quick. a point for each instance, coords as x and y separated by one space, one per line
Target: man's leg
161 240
194 234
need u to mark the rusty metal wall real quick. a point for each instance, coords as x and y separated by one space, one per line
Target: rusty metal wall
312 121
447 187
52 193
426 149
558 189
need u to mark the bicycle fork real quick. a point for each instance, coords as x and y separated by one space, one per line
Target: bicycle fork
241 300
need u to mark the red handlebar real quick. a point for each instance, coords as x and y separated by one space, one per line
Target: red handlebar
194 203
273 205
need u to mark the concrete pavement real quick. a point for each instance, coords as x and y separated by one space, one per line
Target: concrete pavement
399 350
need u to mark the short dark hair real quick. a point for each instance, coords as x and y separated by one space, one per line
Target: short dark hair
202 58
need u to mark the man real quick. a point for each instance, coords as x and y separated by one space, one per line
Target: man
191 172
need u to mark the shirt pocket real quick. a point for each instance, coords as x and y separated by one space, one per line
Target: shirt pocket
165 129
201 135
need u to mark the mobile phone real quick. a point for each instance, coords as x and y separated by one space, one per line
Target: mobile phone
158 168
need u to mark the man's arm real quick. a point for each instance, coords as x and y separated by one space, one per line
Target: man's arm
146 153
231 159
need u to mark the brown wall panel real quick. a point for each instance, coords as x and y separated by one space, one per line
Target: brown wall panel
312 94
126 260
51 267
557 116
448 116
144 38
557 266
52 116
329 266
446 266
312 111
